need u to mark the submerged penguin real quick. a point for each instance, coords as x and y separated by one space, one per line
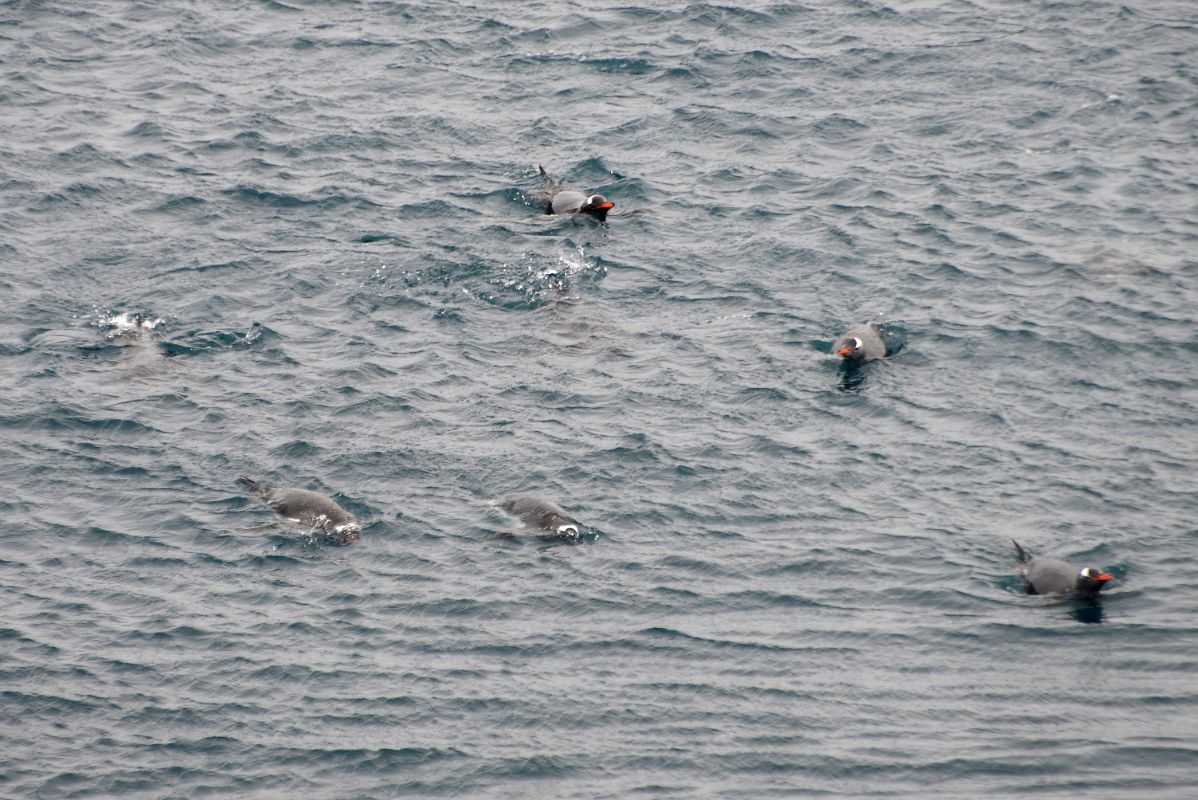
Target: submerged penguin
309 508
861 343
571 201
537 512
1053 576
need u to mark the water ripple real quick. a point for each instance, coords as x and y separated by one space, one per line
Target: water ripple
307 243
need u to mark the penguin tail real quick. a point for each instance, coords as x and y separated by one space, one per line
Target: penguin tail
548 183
253 485
1023 555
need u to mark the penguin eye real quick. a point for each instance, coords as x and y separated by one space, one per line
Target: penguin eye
568 530
1087 573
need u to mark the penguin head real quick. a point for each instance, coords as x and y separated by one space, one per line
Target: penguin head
851 349
568 530
1090 580
597 205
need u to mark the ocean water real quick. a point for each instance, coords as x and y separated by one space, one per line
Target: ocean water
301 242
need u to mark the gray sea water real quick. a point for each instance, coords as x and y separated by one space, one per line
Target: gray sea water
301 242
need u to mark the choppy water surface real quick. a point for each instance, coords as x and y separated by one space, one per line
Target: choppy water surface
300 242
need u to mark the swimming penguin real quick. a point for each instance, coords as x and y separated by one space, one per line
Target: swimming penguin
537 512
570 201
861 343
1053 576
309 508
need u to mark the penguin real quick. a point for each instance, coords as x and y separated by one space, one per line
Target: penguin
537 512
308 508
861 343
1053 576
571 201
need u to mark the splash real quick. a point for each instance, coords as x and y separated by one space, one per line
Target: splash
557 277
127 325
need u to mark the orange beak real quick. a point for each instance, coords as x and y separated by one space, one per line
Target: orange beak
846 352
1104 577
607 205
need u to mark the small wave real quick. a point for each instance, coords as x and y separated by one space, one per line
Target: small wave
200 342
